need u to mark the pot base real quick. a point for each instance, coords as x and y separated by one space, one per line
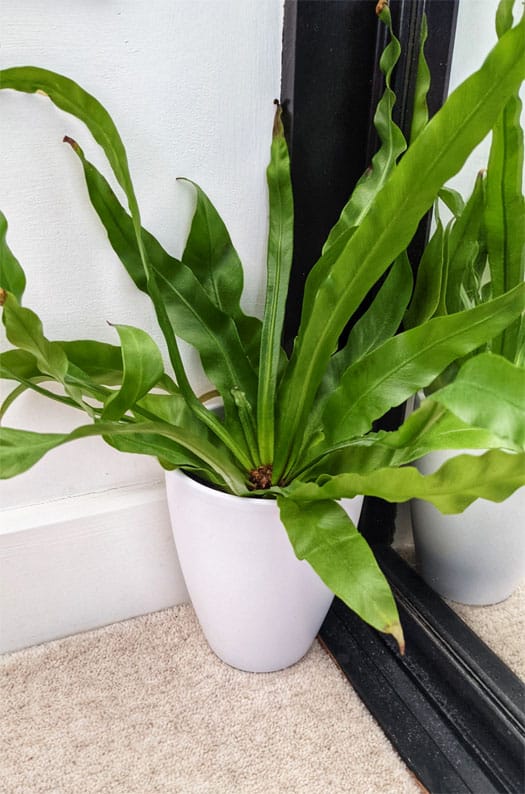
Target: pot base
260 608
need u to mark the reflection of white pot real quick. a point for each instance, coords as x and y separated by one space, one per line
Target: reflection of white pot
259 607
474 557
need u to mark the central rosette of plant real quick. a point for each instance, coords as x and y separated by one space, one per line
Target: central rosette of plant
261 477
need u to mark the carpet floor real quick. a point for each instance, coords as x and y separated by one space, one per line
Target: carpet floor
144 706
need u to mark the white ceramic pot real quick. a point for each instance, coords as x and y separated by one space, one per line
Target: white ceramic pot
259 607
476 557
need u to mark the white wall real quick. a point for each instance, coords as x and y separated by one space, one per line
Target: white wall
190 85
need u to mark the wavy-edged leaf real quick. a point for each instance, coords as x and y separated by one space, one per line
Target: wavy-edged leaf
489 392
12 276
72 98
323 534
333 294
392 142
495 475
422 86
100 362
188 309
170 408
21 449
210 254
431 427
173 409
119 225
430 275
21 366
183 307
24 330
142 369
195 319
279 263
411 361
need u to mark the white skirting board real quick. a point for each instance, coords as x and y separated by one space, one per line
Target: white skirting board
86 561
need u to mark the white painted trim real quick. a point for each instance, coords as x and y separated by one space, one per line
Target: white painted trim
79 563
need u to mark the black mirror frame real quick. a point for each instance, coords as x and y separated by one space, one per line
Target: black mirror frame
451 708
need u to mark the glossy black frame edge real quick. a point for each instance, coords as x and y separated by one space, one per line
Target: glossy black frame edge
450 706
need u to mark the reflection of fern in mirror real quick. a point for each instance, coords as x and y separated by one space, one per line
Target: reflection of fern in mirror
477 256
480 253
298 430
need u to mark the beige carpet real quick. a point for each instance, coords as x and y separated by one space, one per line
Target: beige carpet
144 706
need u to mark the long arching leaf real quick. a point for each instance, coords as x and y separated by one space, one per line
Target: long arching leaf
382 319
188 309
431 427
21 449
333 294
72 98
495 475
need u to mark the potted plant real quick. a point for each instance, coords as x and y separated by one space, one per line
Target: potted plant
478 558
292 434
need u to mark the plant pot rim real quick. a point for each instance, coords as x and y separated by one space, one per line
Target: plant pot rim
257 502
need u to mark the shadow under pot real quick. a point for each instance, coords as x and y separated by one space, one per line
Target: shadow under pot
260 608
476 557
